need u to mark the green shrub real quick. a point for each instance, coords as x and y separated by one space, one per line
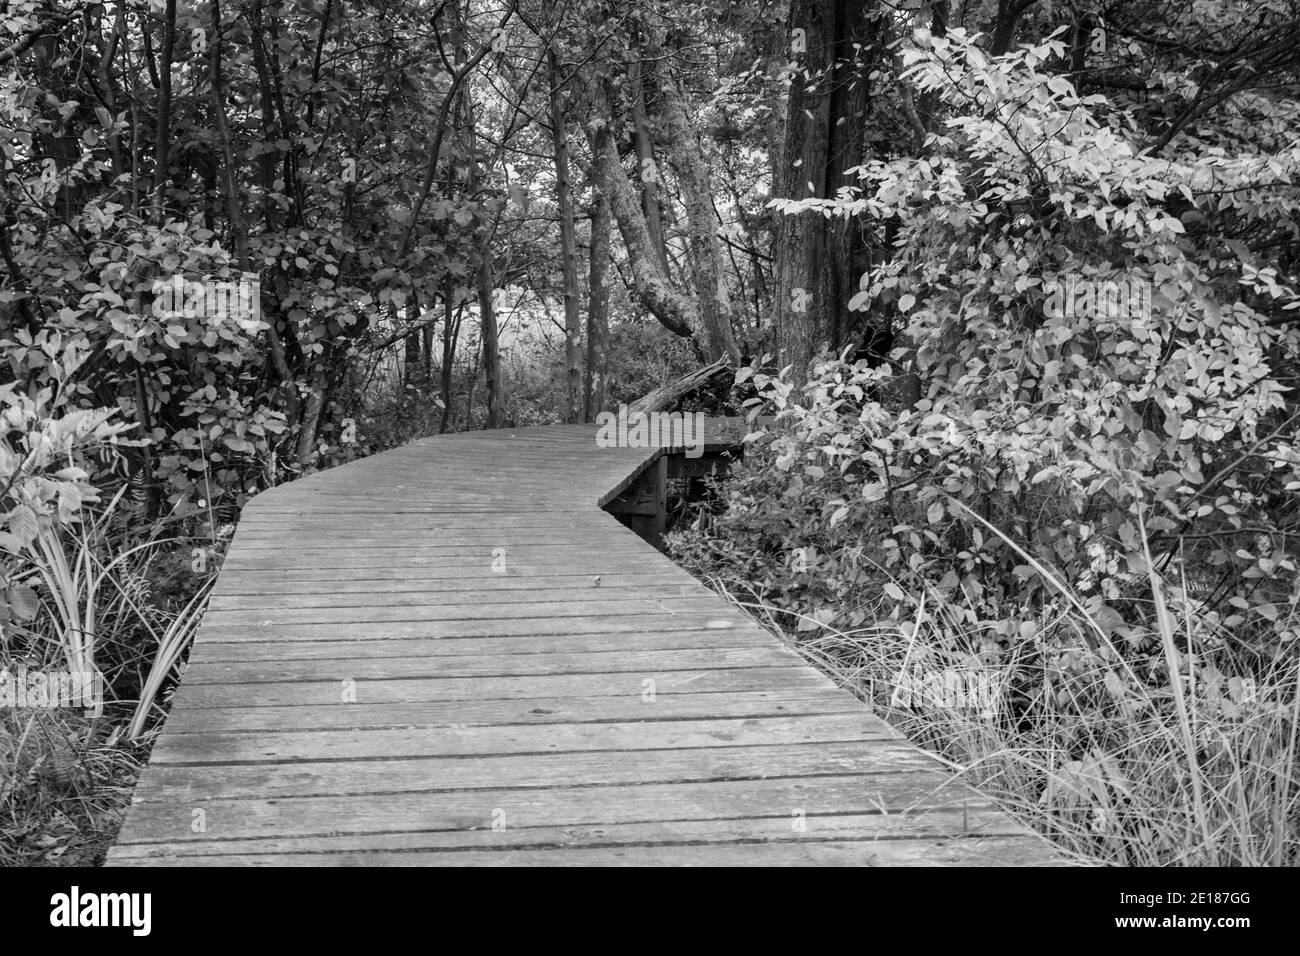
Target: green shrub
894 542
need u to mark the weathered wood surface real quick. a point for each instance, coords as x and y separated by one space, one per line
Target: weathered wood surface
447 654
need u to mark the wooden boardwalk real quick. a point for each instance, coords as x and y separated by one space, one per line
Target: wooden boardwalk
448 654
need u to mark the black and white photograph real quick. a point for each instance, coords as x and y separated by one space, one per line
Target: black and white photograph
657 433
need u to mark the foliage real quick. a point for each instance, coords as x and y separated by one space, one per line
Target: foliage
44 488
64 783
78 597
1063 426
1092 503
1077 318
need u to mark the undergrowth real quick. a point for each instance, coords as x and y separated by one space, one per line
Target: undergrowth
1117 666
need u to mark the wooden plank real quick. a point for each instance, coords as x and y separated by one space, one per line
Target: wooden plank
564 601
553 806
415 715
293 540
590 591
306 584
624 557
207 671
413 552
500 688
484 627
979 851
494 647
597 608
967 822
584 768
465 574
395 515
455 741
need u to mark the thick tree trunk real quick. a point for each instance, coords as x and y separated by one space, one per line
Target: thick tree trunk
1004 25
820 260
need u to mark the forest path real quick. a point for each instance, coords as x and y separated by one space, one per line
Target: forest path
448 654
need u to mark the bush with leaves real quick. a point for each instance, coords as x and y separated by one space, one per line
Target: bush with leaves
44 485
1096 505
1131 718
1060 425
191 383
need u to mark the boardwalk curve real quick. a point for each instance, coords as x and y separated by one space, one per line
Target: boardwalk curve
449 654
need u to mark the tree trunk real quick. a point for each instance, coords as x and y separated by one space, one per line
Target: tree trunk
491 349
450 326
484 281
312 410
697 194
411 374
647 169
598 283
1004 25
821 259
162 141
568 250
266 108
426 354
675 311
234 208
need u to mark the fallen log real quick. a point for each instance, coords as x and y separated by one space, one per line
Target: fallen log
660 398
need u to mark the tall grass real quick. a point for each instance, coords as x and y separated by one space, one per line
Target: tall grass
110 601
76 568
86 586
172 643
1183 755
